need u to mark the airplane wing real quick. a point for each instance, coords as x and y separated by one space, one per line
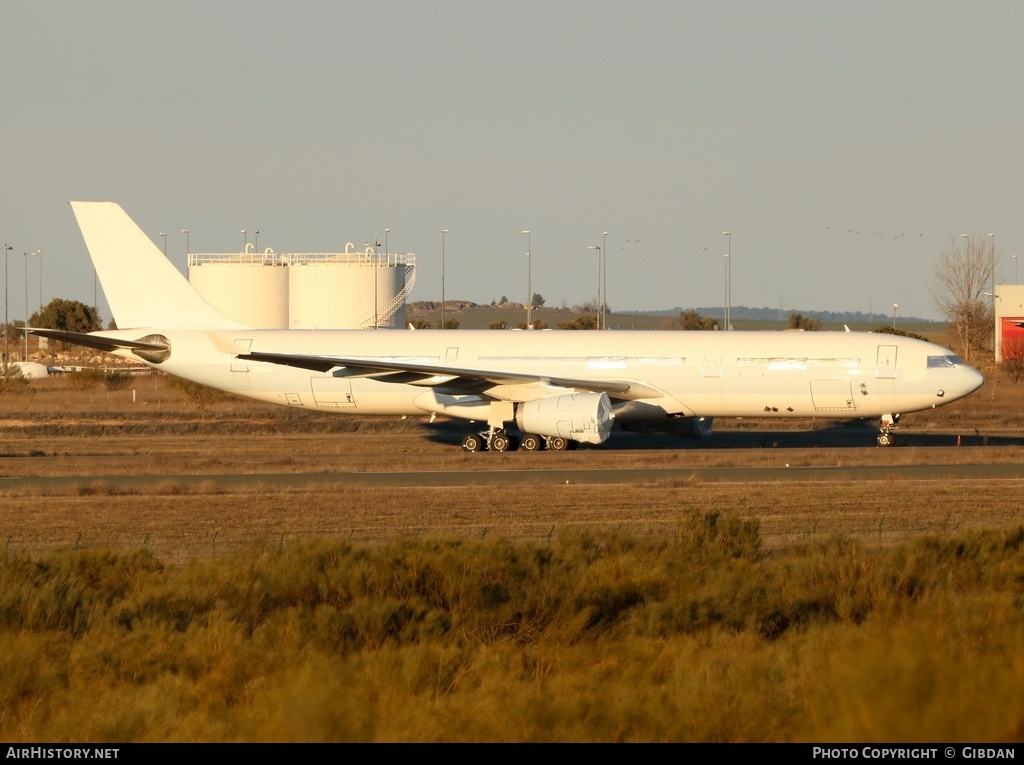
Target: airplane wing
451 378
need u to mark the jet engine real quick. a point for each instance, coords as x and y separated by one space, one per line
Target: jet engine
583 417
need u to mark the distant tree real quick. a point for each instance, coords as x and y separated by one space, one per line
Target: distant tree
536 324
451 323
497 325
691 320
799 321
1013 357
12 335
963 272
419 324
503 300
885 329
580 321
538 300
67 315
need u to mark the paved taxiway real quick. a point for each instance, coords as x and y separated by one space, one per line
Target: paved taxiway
553 477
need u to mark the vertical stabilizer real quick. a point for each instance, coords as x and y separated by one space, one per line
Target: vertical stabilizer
142 287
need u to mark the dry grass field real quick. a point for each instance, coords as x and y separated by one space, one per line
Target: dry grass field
235 572
143 466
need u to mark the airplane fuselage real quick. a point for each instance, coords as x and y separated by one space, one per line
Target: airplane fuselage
703 374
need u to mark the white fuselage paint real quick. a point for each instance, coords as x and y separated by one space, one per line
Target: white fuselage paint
705 374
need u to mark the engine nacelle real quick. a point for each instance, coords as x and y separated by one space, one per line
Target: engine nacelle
583 417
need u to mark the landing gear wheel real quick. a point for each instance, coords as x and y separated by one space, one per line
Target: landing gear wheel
473 443
532 443
886 439
558 444
499 443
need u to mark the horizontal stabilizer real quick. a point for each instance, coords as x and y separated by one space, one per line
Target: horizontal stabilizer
100 343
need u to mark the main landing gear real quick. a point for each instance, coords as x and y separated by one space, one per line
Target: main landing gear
500 440
890 422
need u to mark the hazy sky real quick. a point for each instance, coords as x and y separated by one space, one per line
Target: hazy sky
844 144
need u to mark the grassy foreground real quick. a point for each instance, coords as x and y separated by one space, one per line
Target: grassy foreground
695 635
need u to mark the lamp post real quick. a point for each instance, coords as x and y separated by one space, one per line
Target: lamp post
7 322
25 326
376 277
992 265
40 254
894 307
188 249
604 280
256 241
164 235
444 232
728 280
245 240
598 307
529 279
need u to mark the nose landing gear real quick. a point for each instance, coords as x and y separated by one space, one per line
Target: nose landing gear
890 422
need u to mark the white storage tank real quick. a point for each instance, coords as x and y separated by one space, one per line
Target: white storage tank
249 287
349 290
341 290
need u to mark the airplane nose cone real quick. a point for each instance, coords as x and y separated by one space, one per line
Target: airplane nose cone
969 380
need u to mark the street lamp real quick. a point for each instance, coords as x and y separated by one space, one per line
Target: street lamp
529 279
728 281
992 264
598 307
188 249
444 232
164 235
40 254
894 307
256 241
7 323
25 327
245 240
604 280
376 276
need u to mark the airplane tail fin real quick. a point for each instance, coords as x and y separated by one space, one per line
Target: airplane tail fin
142 287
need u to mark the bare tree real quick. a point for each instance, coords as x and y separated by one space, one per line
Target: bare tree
1013 357
963 274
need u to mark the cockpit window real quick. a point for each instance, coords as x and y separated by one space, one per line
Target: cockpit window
940 362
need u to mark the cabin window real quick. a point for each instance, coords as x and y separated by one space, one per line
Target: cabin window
944 362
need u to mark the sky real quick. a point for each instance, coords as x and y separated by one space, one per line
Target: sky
844 144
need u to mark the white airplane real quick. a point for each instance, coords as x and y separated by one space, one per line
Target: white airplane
558 388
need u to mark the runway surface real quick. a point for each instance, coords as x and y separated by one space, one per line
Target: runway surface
554 477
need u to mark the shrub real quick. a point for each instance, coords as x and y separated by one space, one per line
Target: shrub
85 379
118 380
197 395
12 380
